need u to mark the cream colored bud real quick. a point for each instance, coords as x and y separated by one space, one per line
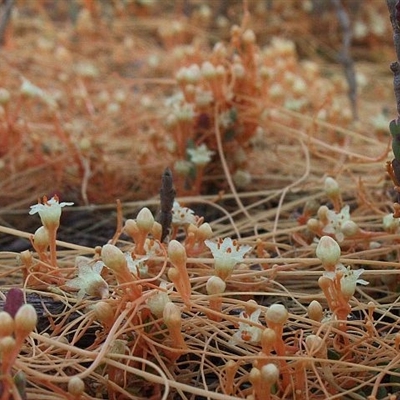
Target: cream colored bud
76 386
269 374
238 70
7 346
157 303
205 232
208 70
131 228
215 285
25 320
350 228
313 225
172 315
331 187
6 324
156 230
104 312
26 258
316 346
176 253
145 220
315 311
192 230
113 258
390 224
41 239
249 36
173 275
220 70
328 251
268 337
4 96
324 282
322 213
255 376
277 314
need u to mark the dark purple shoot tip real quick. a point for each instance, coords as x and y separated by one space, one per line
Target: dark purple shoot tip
397 13
14 300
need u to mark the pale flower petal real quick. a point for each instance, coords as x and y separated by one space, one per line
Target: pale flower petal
246 332
227 253
182 216
49 211
200 155
336 222
89 280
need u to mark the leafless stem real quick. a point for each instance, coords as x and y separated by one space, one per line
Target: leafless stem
395 66
8 5
345 56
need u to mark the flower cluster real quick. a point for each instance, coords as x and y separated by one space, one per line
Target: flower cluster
337 282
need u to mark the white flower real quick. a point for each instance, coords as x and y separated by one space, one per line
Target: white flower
30 90
390 224
152 247
336 222
49 211
227 253
182 216
248 333
137 266
200 155
89 280
349 279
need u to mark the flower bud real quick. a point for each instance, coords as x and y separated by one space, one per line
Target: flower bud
315 311
113 258
145 220
7 346
25 320
350 228
331 187
277 314
172 315
316 346
176 253
4 96
215 285
157 303
204 232
322 214
76 386
255 376
313 225
328 251
249 36
269 374
131 228
6 324
156 230
268 338
104 312
208 70
41 239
